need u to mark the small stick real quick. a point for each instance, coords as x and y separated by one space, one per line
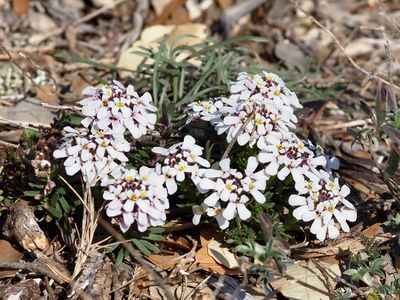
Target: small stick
229 148
61 107
30 267
31 126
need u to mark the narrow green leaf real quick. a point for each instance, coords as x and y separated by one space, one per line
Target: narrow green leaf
31 193
141 247
64 204
120 257
154 237
153 248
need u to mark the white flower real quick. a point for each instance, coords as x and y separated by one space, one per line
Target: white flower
119 108
237 205
93 153
217 213
198 211
137 197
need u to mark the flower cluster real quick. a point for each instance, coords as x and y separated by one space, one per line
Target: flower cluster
136 196
94 148
259 106
116 108
320 199
93 153
260 110
179 160
229 192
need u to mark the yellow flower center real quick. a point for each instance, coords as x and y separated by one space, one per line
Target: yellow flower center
277 93
206 106
128 177
100 133
104 143
330 208
309 185
279 146
198 102
259 121
85 146
218 211
143 193
229 187
145 178
301 146
252 186
120 104
269 77
331 184
192 155
133 197
181 168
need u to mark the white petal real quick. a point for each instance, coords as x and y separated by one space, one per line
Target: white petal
296 200
211 200
252 164
260 198
243 212
230 211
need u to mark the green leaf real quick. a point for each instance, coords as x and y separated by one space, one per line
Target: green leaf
393 164
111 248
36 185
141 247
153 248
61 191
31 193
64 204
154 237
120 257
157 229
55 211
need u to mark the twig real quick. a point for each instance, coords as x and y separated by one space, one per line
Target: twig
26 125
137 256
49 289
229 148
341 48
61 107
30 267
353 287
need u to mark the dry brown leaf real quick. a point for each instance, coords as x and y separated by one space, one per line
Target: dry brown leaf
20 7
222 255
179 245
47 94
303 280
374 230
165 262
209 264
8 253
224 3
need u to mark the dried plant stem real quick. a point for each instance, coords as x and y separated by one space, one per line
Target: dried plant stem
137 256
61 107
30 267
31 126
341 48
89 225
230 146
